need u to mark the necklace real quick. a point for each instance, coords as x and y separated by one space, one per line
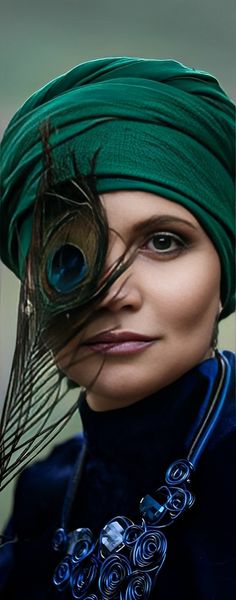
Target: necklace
124 561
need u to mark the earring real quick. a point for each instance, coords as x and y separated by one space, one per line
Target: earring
215 335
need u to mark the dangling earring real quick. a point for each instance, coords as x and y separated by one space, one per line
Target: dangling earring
215 333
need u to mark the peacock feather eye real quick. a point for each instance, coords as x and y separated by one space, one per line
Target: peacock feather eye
66 268
67 259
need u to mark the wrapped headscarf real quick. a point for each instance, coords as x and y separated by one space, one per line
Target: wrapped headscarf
159 126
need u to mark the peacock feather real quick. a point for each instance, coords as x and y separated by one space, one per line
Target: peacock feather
65 279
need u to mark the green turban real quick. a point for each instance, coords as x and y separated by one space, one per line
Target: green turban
159 126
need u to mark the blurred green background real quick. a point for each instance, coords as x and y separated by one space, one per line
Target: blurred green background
40 40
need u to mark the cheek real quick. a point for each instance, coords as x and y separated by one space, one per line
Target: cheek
187 291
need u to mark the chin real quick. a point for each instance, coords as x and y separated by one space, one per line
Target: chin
123 390
127 380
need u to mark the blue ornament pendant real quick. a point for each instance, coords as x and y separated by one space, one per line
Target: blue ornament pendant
124 562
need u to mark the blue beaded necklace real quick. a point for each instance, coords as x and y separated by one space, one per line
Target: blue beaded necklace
124 561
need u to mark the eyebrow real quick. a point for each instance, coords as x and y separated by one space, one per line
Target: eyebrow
160 220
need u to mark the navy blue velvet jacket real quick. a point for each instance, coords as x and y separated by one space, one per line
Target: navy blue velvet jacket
128 452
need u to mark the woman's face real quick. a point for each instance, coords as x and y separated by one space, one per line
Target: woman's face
170 294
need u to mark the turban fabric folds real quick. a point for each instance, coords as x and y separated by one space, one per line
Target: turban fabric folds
158 125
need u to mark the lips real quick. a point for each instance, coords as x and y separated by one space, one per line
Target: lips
108 337
118 343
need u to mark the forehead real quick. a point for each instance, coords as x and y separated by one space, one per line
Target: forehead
126 209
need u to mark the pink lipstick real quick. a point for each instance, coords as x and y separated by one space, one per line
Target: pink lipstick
123 342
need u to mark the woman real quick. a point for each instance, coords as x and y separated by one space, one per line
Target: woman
117 214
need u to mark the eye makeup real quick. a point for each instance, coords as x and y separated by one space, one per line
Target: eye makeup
161 221
161 242
150 236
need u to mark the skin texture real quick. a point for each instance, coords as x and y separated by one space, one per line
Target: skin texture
171 292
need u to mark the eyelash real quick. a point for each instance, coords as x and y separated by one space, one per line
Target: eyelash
181 244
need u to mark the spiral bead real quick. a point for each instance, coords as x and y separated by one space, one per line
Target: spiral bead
83 546
132 534
149 550
60 539
113 572
62 574
83 576
178 472
177 501
138 586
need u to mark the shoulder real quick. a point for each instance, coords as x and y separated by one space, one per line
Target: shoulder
38 502
41 488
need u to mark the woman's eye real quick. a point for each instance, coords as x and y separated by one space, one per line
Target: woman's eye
164 243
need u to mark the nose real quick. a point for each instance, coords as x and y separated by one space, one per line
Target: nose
124 293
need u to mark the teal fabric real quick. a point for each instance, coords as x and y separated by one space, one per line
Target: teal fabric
159 126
